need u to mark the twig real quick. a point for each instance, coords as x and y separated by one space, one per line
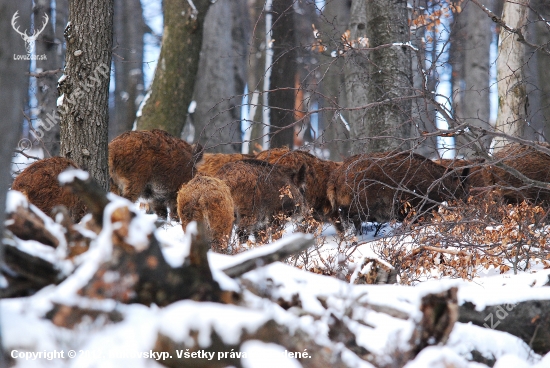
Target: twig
27 156
45 73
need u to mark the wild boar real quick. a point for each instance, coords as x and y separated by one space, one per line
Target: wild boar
152 165
530 162
264 195
212 162
317 175
384 186
40 184
208 199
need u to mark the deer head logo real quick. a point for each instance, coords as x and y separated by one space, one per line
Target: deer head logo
29 40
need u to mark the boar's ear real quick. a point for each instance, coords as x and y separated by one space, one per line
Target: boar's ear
197 152
299 178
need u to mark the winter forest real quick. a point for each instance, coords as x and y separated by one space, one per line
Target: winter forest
275 183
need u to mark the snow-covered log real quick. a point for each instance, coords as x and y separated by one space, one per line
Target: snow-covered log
268 254
529 320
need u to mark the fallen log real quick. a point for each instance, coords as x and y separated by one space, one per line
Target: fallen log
529 320
275 252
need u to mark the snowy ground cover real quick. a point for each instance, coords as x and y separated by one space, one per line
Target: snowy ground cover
308 317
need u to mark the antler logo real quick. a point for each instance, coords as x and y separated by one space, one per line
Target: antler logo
29 40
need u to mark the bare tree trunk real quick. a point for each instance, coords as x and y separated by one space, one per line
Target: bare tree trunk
167 102
475 102
129 28
85 86
457 59
14 87
540 77
221 77
423 111
333 22
49 43
255 73
283 74
512 96
387 125
357 77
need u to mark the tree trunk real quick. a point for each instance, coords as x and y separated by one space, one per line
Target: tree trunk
84 87
129 28
14 87
221 77
167 102
541 77
49 43
255 74
423 111
333 22
387 126
475 102
357 77
457 59
512 96
283 74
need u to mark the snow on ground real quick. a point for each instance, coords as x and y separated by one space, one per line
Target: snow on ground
315 301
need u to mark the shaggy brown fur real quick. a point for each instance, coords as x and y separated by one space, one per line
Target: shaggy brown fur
39 183
209 200
527 160
382 186
212 162
317 175
479 178
531 163
258 191
153 165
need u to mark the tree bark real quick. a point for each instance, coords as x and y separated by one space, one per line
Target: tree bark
512 96
129 28
14 87
474 89
388 125
540 78
255 77
333 23
85 87
222 77
356 76
283 74
49 43
424 79
166 104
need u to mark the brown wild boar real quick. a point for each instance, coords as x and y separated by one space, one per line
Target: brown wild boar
208 199
479 178
528 161
212 162
152 165
38 182
317 175
262 192
384 186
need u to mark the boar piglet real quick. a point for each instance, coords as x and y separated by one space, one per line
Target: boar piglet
209 200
